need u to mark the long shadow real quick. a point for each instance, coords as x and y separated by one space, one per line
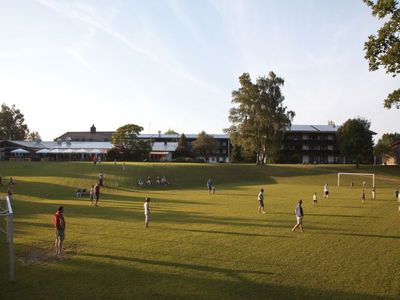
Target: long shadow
231 233
397 237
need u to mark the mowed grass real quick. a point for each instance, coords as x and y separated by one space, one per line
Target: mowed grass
202 246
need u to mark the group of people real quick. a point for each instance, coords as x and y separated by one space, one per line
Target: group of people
149 181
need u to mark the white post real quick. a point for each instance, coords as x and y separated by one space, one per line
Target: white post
338 179
373 180
10 237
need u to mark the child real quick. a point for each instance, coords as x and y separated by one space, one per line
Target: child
146 212
315 200
326 191
363 197
91 194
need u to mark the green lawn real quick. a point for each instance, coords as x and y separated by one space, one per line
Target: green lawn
201 246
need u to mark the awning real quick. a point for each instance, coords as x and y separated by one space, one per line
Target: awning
43 151
159 153
20 151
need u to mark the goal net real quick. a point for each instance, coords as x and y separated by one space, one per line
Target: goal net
348 179
7 228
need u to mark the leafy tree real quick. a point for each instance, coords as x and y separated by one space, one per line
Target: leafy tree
12 126
384 147
383 49
236 154
205 145
126 140
183 149
170 131
34 136
355 140
259 119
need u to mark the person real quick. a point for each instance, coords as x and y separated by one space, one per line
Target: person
149 181
97 193
299 216
396 193
364 184
363 197
315 200
209 186
94 160
101 179
326 190
352 184
91 194
158 180
261 201
373 193
146 212
59 224
140 182
11 181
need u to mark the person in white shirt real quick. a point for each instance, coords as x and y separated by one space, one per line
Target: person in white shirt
261 201
315 200
146 212
326 191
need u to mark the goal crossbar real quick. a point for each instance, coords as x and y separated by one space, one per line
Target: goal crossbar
357 174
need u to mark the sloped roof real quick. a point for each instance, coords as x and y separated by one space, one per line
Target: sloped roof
313 128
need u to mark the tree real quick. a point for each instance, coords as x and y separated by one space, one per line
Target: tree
12 126
384 147
259 119
126 140
236 154
383 49
205 145
34 136
170 131
355 140
183 149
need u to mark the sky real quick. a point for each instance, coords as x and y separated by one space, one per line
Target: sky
173 64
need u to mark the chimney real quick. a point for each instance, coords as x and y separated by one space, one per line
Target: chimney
92 129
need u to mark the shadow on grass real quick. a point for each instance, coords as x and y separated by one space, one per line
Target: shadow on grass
231 233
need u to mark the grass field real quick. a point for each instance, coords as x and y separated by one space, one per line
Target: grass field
202 246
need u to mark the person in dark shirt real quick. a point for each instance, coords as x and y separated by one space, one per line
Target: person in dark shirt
299 216
97 193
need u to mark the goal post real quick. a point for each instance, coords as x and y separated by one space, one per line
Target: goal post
8 213
357 174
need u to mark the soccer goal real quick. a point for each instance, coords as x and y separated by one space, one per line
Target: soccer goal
7 227
356 174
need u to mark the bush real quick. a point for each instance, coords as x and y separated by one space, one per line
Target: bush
183 159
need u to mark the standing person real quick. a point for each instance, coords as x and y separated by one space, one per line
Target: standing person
299 216
326 190
11 181
364 184
315 200
59 224
97 193
209 186
261 201
373 193
101 179
91 194
363 197
396 193
146 212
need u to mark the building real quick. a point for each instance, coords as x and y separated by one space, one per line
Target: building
310 144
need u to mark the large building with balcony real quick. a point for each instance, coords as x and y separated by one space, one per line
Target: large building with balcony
310 144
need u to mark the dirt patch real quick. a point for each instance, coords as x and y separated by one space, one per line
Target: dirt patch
39 253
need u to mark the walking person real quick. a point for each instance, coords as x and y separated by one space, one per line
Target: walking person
97 194
315 200
146 206
299 216
261 201
210 186
326 190
363 197
59 224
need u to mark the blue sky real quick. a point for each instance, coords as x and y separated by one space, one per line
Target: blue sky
173 64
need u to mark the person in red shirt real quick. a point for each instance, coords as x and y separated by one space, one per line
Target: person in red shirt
97 193
59 224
